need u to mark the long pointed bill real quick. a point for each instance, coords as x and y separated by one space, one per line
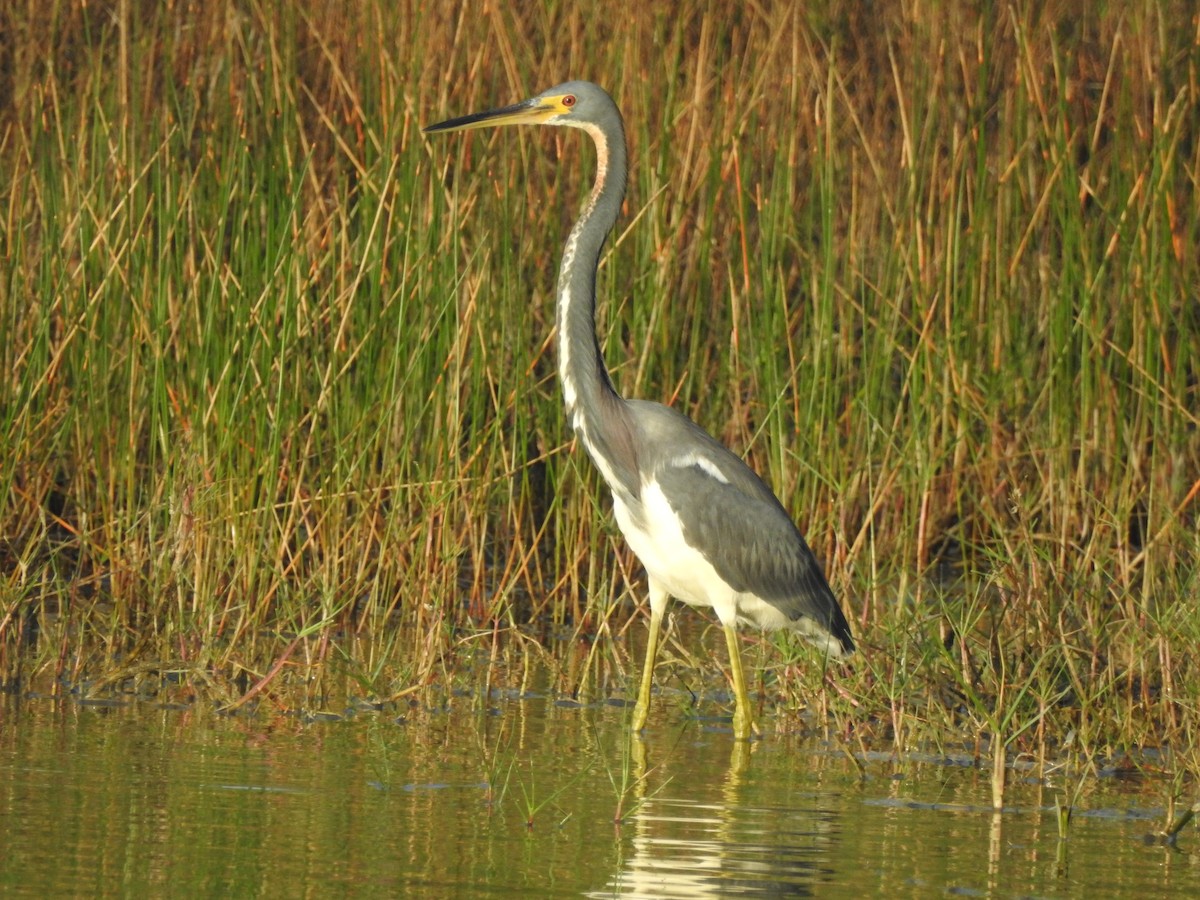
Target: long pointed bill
527 112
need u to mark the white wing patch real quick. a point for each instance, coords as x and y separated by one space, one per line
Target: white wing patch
707 466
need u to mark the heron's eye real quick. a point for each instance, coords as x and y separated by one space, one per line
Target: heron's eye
568 101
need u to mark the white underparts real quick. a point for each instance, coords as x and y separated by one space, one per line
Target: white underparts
656 536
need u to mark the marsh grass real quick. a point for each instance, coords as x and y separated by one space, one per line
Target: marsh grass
279 408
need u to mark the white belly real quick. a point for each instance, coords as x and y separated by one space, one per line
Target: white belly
669 559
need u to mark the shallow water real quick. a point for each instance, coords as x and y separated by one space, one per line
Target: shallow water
522 796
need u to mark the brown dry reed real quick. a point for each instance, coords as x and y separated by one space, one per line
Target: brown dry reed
278 400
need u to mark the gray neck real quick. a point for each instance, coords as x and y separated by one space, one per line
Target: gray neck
594 409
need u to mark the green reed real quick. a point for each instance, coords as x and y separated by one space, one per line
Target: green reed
282 413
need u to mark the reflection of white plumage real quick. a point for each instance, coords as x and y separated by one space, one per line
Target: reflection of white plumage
707 529
688 849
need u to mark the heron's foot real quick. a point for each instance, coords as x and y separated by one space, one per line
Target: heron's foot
744 726
640 713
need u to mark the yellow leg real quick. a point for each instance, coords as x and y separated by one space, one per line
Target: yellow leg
658 605
743 720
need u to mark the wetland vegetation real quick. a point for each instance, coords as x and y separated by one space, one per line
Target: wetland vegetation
278 401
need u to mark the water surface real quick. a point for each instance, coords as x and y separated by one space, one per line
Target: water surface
529 795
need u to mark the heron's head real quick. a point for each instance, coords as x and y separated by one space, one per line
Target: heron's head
573 103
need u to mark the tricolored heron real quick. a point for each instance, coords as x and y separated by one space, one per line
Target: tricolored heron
707 529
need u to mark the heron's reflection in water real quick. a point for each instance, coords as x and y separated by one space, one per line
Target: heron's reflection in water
716 847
